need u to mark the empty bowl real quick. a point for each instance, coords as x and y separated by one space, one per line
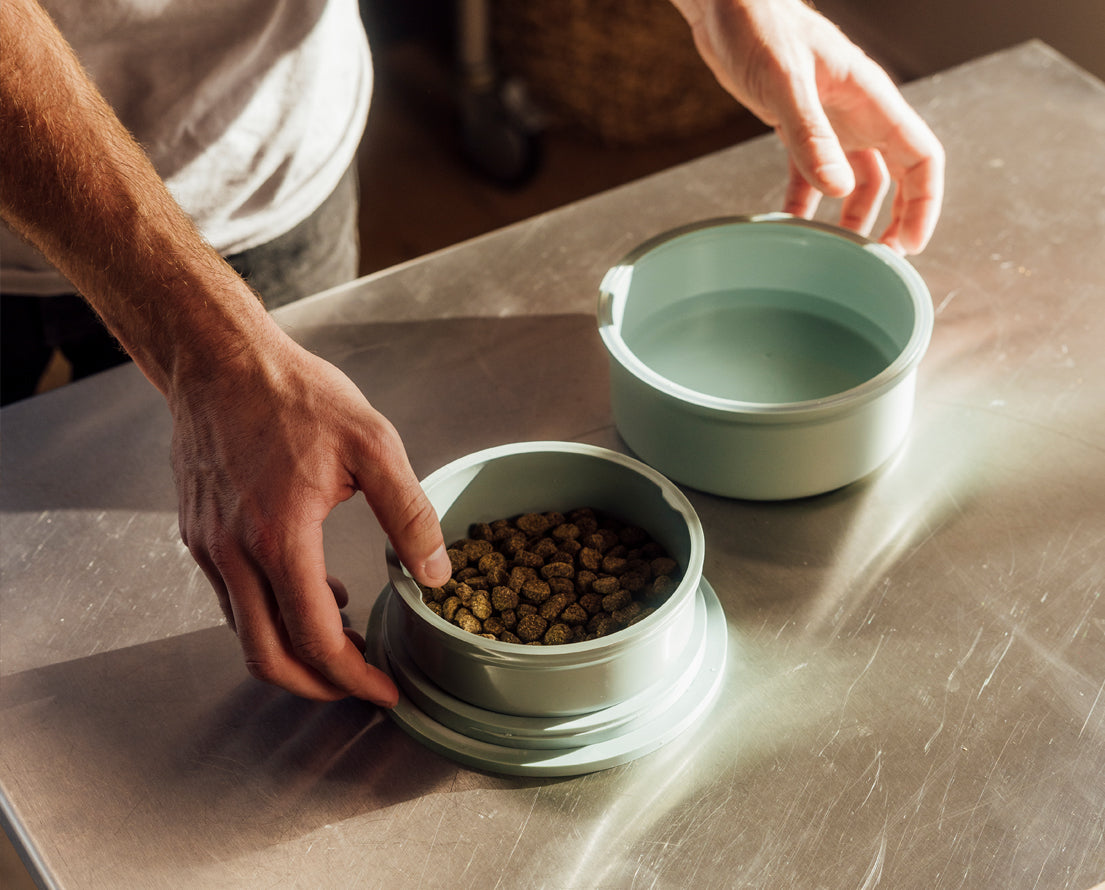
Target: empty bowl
764 357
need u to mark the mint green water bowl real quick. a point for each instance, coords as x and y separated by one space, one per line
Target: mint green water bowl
763 357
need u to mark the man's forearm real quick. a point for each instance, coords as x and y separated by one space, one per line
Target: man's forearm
75 184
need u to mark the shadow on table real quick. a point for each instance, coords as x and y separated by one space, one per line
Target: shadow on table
175 753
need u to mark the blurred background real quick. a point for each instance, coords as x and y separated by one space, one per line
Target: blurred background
489 111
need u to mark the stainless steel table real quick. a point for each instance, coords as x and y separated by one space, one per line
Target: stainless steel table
915 696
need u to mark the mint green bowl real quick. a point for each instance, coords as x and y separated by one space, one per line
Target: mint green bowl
763 357
574 678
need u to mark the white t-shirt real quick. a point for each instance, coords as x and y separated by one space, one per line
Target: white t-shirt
251 110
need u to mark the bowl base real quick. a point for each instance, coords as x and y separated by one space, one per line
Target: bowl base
554 746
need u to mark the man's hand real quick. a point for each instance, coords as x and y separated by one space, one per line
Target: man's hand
263 450
850 133
267 438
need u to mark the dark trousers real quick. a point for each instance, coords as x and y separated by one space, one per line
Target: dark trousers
319 253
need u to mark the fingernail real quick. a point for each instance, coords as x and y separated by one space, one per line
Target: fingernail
438 566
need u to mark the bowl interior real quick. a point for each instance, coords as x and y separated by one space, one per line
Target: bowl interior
764 312
539 477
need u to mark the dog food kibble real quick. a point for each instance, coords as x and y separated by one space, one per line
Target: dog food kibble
544 579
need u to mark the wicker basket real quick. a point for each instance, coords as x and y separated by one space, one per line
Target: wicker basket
626 70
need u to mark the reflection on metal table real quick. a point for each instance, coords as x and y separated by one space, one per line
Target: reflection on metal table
915 689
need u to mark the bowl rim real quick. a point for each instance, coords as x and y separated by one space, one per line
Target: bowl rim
613 292
505 653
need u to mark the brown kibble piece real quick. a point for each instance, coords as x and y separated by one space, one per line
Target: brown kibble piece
457 559
602 540
563 585
450 607
533 524
512 543
476 550
574 614
663 565
544 548
481 605
536 590
531 628
562 569
467 621
627 613
605 584
558 634
433 594
566 531
605 625
613 565
588 525
592 602
662 586
491 561
503 598
464 593
552 607
527 559
495 577
590 559
481 531
619 599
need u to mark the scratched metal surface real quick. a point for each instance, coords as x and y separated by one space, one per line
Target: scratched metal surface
916 691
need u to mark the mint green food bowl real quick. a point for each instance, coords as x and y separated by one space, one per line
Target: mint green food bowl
554 710
764 357
573 678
